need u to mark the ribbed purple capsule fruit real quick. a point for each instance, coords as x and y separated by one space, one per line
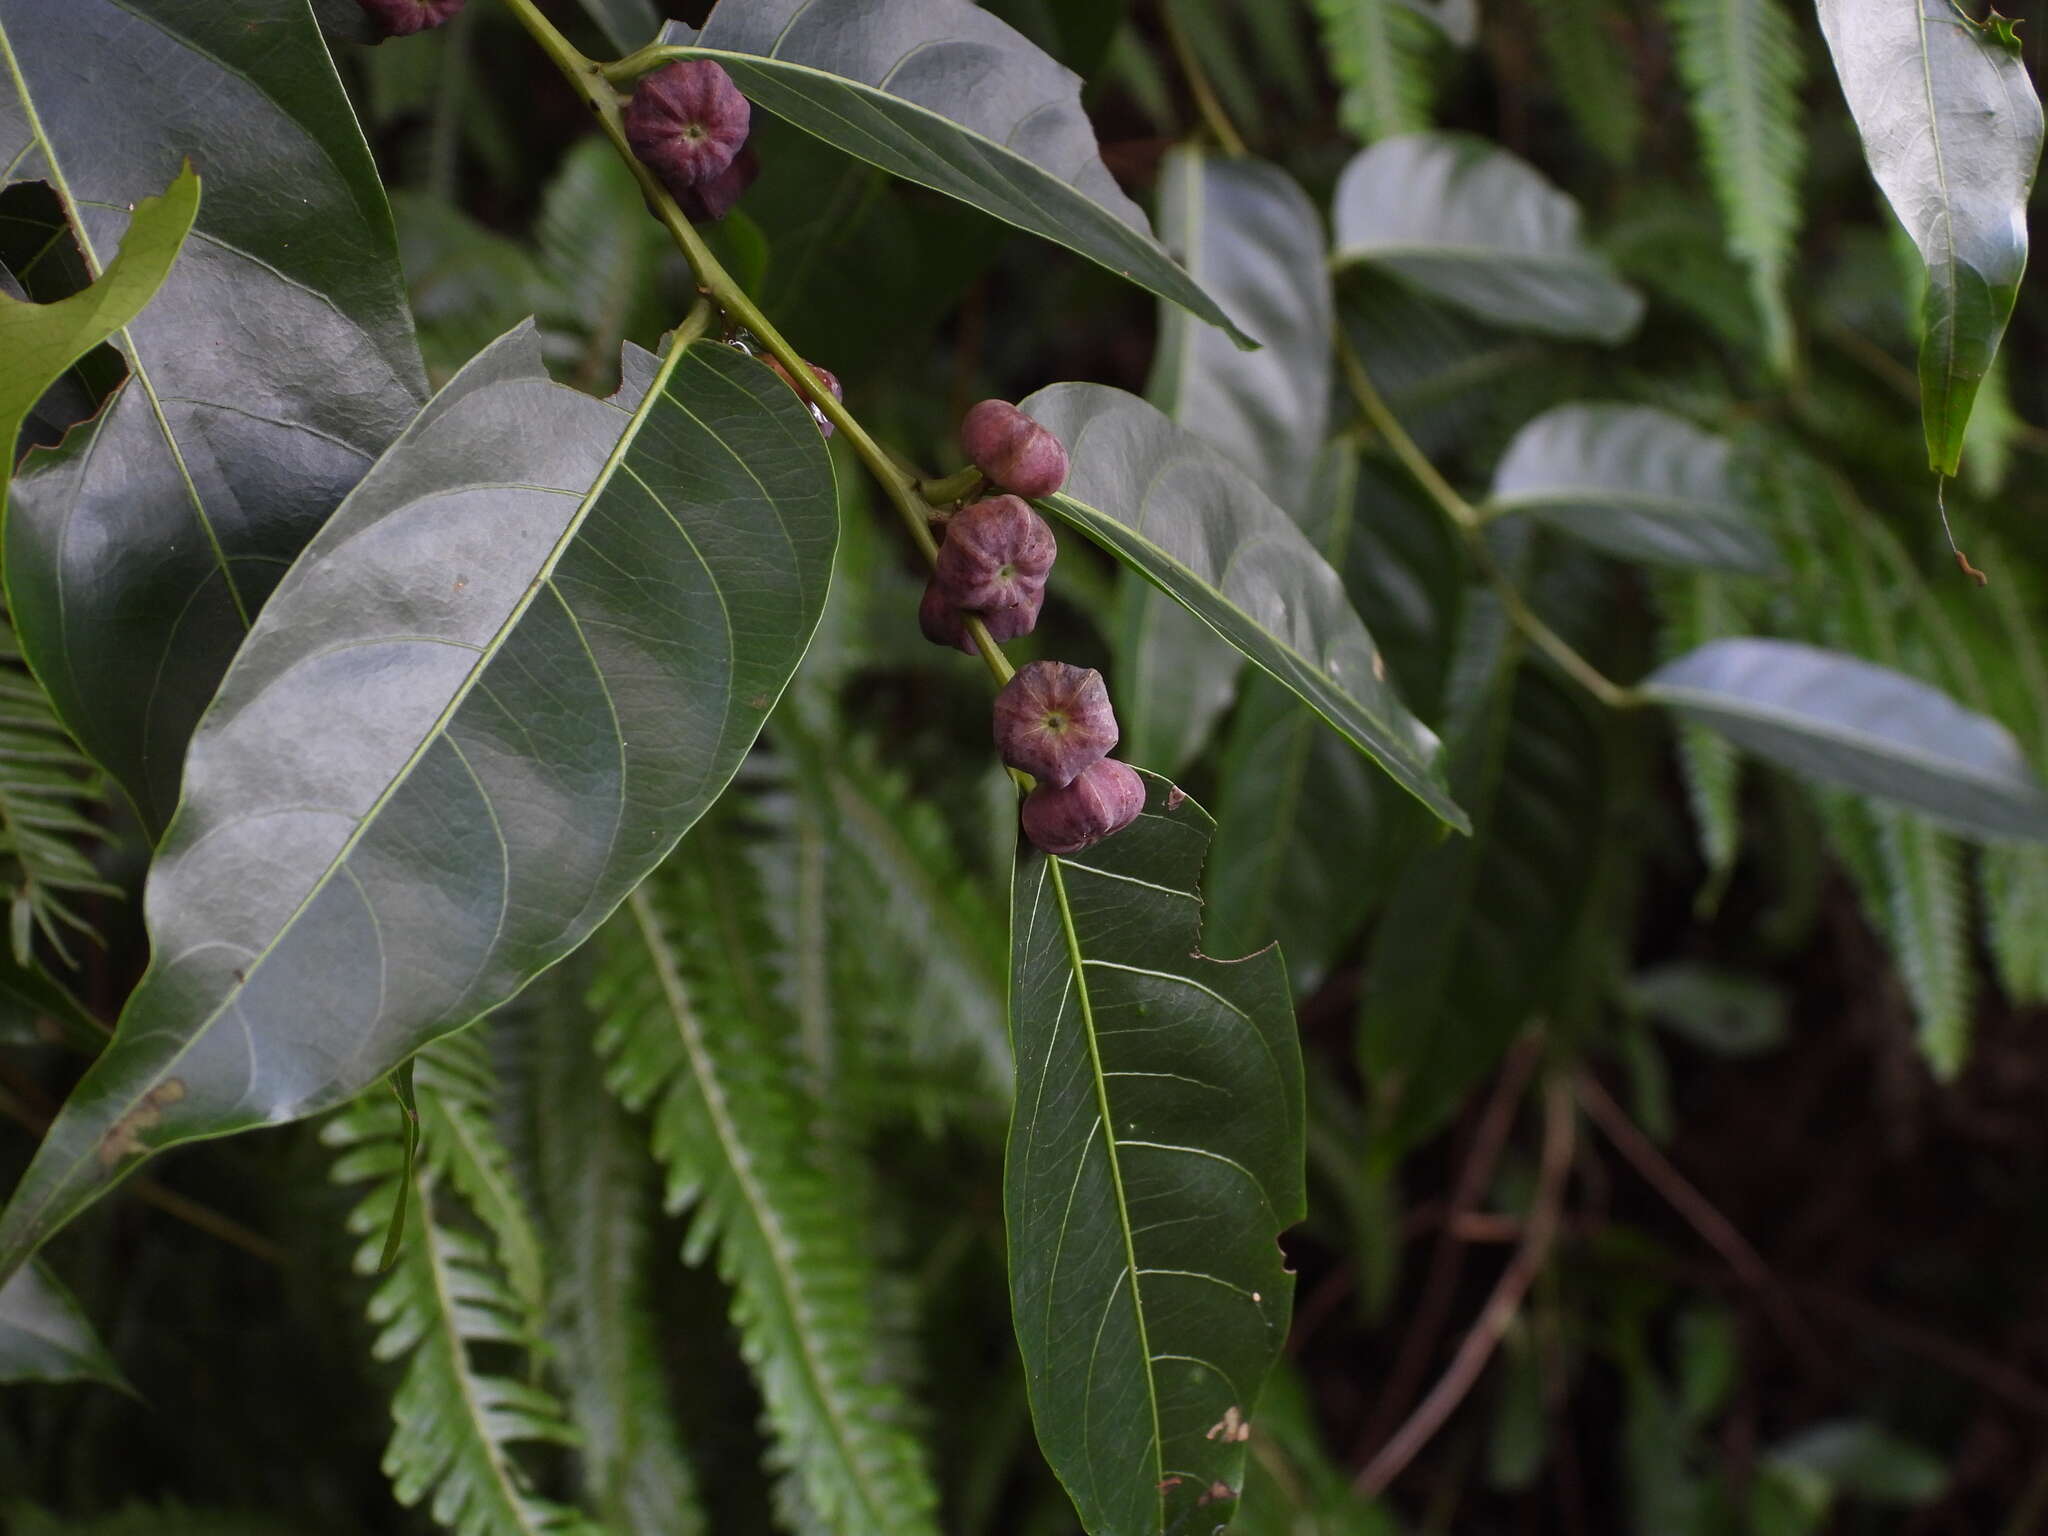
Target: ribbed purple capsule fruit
996 555
1013 450
944 623
687 122
1104 798
402 18
1053 720
713 200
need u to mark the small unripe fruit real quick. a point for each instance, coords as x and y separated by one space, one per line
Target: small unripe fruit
1013 450
996 555
944 623
1053 720
714 199
686 122
1104 798
824 376
402 18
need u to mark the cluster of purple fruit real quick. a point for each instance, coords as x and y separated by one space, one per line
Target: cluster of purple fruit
688 123
1052 721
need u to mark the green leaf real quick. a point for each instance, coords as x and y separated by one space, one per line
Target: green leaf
2014 883
1694 608
42 341
45 1335
597 1203
1154 1159
941 93
689 1029
1634 481
1468 223
1720 1011
1742 67
459 1098
1843 720
1176 511
626 24
1929 932
455 1422
1593 73
1864 1461
1384 54
273 366
1249 234
1952 130
524 657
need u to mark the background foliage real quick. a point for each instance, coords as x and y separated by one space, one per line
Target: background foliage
1672 1141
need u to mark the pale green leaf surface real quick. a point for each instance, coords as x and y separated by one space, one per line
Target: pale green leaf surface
1468 223
1154 1159
1247 232
1634 481
1847 721
941 93
40 341
46 1336
1175 510
526 655
1952 130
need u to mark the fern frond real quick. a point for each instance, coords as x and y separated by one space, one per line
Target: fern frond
1742 69
47 789
2014 883
458 1101
596 1197
691 1029
1929 929
598 256
455 1424
1592 72
1695 609
1384 54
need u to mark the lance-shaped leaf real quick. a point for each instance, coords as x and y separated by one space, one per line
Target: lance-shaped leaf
1193 524
1250 235
273 366
1634 481
942 93
1952 130
1466 222
1155 1156
529 650
46 1336
1847 721
41 341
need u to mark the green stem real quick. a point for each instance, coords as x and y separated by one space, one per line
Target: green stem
1465 517
951 488
1206 100
594 82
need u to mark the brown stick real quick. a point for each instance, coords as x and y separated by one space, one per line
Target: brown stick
1701 1215
1448 1256
1491 1326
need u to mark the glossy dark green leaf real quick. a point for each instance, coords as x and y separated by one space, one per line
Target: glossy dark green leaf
1846 721
1952 130
1466 222
1247 232
522 659
1155 1157
42 341
271 369
45 1335
941 93
1636 482
1178 513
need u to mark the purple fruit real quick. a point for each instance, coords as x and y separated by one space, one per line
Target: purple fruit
996 555
1013 450
1053 720
824 376
712 201
686 122
945 624
1104 798
402 18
